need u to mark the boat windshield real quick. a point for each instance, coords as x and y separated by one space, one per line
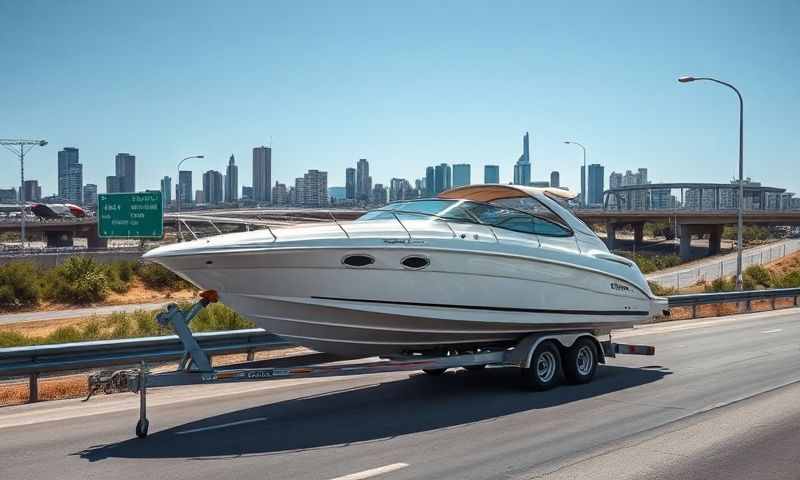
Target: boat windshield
532 217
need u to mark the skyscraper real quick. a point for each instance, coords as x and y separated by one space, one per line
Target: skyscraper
491 174
247 193
166 191
555 179
279 194
114 184
315 184
379 194
184 196
399 189
615 180
430 182
350 183
90 195
443 178
70 175
232 182
523 168
461 175
363 181
262 174
595 185
212 187
126 169
33 192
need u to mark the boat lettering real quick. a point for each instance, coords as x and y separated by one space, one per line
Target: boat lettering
619 287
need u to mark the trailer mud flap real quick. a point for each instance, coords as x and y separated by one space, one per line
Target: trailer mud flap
612 349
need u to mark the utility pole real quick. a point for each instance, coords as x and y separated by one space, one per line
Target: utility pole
20 147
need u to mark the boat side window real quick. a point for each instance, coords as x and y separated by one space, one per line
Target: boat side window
536 208
516 220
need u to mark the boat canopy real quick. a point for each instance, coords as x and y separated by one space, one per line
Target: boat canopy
490 193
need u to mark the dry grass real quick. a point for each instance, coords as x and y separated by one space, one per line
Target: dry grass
789 263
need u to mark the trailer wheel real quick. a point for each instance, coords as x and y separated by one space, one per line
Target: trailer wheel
141 428
580 364
434 371
544 372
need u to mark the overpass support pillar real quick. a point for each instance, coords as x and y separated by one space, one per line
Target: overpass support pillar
715 240
638 234
611 235
59 239
686 242
93 241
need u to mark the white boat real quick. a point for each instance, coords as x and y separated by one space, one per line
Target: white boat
476 266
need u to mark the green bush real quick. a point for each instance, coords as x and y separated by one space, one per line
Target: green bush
648 264
756 276
721 285
219 317
120 274
661 291
78 280
790 280
157 277
19 285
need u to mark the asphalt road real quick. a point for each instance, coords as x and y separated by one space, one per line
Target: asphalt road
9 318
717 401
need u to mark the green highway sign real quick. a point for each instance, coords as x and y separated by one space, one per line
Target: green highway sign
130 215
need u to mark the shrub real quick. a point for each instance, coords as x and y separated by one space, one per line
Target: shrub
65 335
657 289
14 339
756 276
19 285
721 285
78 280
790 280
157 277
119 275
219 317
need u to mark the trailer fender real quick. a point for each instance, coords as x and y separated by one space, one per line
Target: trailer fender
523 351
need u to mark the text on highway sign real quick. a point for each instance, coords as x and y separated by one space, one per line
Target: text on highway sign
130 215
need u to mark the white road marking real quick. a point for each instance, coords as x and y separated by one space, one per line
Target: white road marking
774 330
214 427
373 472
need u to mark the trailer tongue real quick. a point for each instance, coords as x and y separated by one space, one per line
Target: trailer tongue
542 358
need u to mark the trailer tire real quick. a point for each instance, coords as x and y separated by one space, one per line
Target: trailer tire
434 371
580 362
544 372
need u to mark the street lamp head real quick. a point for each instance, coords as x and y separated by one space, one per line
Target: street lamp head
200 156
567 142
686 79
42 143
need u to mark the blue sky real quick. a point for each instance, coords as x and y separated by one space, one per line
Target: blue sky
404 84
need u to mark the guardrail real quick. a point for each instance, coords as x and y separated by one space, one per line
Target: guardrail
38 359
696 299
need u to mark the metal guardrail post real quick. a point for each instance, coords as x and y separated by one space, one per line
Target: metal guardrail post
251 355
33 388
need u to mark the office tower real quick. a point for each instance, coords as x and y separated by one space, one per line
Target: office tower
491 174
126 169
442 178
247 193
430 182
379 194
350 183
212 187
231 181
399 189
461 174
70 175
279 194
8 195
184 194
114 184
90 195
262 174
199 197
166 191
595 185
363 180
299 191
523 168
555 179
315 184
33 192
615 180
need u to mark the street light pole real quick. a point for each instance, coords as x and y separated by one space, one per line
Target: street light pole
180 193
585 175
740 213
11 145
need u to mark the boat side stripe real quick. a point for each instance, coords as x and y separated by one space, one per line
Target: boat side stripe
492 309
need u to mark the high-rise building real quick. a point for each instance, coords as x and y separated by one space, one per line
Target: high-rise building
595 185
555 179
299 191
90 195
114 184
430 182
379 194
231 181
279 194
523 168
184 192
491 174
8 195
615 180
350 183
70 175
212 187
247 193
443 178
33 192
363 181
262 174
166 191
126 169
461 175
315 184
199 197
399 189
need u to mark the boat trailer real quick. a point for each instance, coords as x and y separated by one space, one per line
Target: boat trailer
536 354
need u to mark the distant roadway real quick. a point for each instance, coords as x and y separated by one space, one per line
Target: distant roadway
9 318
718 401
